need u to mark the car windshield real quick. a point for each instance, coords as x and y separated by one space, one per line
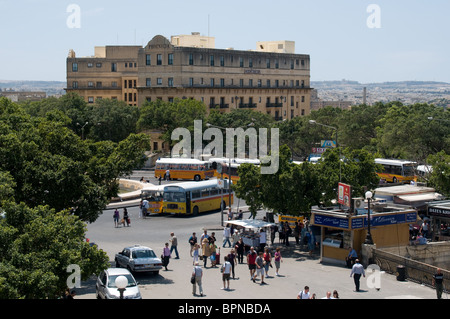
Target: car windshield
143 253
112 281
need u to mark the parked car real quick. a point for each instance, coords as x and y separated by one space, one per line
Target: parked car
106 285
138 259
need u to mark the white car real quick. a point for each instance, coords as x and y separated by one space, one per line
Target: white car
106 285
138 258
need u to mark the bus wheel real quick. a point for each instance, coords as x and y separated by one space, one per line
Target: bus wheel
195 211
197 178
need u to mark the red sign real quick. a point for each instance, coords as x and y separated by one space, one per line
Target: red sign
344 194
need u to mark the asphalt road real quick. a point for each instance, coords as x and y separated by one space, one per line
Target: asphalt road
297 270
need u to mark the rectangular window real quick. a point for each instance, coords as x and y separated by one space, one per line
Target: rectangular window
241 62
268 63
90 84
148 82
98 65
222 82
211 59
159 81
250 62
125 84
277 64
148 59
191 59
191 81
113 67
114 84
170 82
212 82
170 59
90 65
159 59
99 85
74 85
74 67
90 99
222 60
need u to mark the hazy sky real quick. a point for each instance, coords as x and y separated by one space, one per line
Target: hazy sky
409 40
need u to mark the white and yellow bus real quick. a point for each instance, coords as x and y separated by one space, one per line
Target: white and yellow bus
192 198
154 196
230 170
396 171
183 168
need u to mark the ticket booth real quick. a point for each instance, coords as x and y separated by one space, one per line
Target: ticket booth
439 212
341 230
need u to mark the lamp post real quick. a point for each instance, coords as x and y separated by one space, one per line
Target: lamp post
313 122
368 240
121 283
82 129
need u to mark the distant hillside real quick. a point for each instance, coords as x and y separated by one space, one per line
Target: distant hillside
50 87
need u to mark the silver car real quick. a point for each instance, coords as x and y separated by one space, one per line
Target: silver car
106 285
138 259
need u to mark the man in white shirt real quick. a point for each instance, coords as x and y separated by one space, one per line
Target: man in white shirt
304 294
226 236
357 271
198 273
226 271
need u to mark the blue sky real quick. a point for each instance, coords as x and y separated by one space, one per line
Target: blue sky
412 43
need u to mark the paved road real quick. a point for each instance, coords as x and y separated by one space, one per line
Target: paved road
297 270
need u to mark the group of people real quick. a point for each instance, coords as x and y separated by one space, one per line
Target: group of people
125 220
306 294
301 232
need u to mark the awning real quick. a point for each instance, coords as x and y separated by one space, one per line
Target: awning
250 223
421 197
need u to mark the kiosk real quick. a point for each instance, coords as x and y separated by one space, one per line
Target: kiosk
249 230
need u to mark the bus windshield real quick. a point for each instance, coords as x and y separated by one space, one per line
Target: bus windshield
408 170
152 196
177 197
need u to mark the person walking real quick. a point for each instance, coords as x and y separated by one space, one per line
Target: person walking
278 259
357 271
226 236
226 272
126 218
192 242
205 251
197 273
267 261
174 245
195 253
259 267
240 249
116 218
166 255
304 294
251 262
232 259
438 282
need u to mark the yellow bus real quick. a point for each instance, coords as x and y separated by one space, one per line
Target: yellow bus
226 171
154 196
192 198
183 168
396 171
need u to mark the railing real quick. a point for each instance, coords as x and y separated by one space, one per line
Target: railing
274 104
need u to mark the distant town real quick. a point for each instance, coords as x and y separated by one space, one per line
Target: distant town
343 93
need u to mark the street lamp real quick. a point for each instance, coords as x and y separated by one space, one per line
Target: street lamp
313 122
82 129
368 240
121 283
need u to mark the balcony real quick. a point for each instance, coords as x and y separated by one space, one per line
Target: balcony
247 105
219 106
274 104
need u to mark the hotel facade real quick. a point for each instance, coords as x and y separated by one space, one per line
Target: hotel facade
271 79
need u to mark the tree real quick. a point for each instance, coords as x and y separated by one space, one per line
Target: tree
440 176
37 246
248 187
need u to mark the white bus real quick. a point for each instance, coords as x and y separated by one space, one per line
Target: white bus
396 171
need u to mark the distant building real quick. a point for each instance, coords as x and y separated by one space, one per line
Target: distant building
20 96
317 103
189 67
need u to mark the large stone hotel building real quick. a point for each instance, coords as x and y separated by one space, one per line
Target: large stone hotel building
271 79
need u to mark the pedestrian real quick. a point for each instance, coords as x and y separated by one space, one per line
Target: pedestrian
251 262
328 295
296 233
273 231
304 294
204 235
116 218
212 238
212 251
167 176
240 249
438 280
262 239
174 244
197 273
166 255
267 261
144 208
126 218
226 236
357 271
335 294
287 233
192 242
424 229
159 179
311 242
232 259
226 271
205 251
195 253
351 257
260 267
278 259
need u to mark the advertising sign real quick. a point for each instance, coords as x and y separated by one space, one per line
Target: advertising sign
345 195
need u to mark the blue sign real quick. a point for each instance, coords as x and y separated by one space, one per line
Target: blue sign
330 221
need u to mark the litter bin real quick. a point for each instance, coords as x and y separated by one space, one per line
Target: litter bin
401 273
